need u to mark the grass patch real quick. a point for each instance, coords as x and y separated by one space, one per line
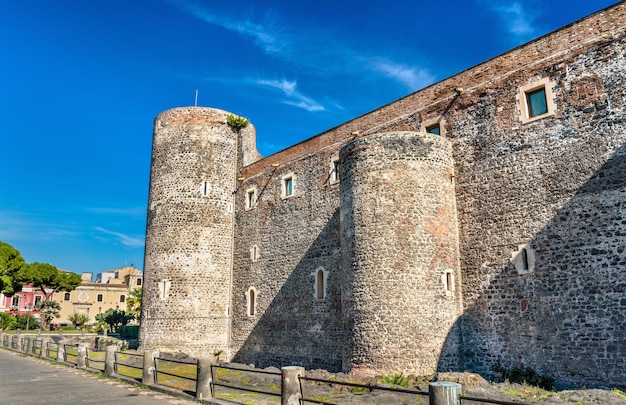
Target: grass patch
527 392
129 371
619 393
184 378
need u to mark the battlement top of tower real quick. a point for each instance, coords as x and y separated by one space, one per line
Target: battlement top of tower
207 114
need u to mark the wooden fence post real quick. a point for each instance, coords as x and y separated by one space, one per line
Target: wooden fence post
444 393
290 394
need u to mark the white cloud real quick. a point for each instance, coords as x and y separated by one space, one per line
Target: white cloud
122 238
411 77
264 35
516 17
320 53
132 212
294 97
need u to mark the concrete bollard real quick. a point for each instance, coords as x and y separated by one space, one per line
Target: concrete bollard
61 352
444 393
81 360
148 376
29 345
18 340
204 379
291 385
44 346
109 360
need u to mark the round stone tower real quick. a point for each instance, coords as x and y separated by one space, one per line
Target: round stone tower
189 235
401 282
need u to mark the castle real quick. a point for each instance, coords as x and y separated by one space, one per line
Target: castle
480 220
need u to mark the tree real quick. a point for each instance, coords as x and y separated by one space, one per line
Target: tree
26 322
48 310
7 321
133 302
11 264
48 278
115 318
78 318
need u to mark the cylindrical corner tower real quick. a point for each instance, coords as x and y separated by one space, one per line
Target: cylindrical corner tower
189 235
401 285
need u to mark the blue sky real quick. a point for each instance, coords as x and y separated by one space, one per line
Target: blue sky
81 83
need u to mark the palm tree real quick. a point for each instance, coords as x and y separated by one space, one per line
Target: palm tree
78 318
133 303
48 309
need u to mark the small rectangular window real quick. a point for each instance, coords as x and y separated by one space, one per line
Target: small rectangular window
537 104
287 186
434 129
334 170
99 299
535 100
250 198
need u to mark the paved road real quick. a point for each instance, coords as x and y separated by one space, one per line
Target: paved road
26 381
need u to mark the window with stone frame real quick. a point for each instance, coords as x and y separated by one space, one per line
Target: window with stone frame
251 299
535 100
288 185
434 126
66 296
320 284
334 170
251 198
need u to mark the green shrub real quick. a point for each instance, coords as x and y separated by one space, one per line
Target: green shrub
236 122
395 379
521 375
129 331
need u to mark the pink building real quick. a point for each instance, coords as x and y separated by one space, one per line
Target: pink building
23 302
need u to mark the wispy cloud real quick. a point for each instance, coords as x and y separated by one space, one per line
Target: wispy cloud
308 50
517 17
132 212
265 35
411 77
121 238
294 97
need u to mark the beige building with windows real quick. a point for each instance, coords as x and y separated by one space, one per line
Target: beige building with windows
110 290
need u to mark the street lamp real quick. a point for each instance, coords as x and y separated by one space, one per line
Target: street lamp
28 309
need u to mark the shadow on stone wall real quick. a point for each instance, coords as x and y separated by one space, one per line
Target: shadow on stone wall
296 328
567 317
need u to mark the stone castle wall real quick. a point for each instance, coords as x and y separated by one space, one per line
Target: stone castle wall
552 189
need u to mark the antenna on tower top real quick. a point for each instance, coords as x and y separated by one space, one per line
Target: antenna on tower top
196 102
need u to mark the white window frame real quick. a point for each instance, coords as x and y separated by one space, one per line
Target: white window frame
522 100
251 191
333 175
283 185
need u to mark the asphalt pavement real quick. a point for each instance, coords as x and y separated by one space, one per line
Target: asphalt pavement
26 381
